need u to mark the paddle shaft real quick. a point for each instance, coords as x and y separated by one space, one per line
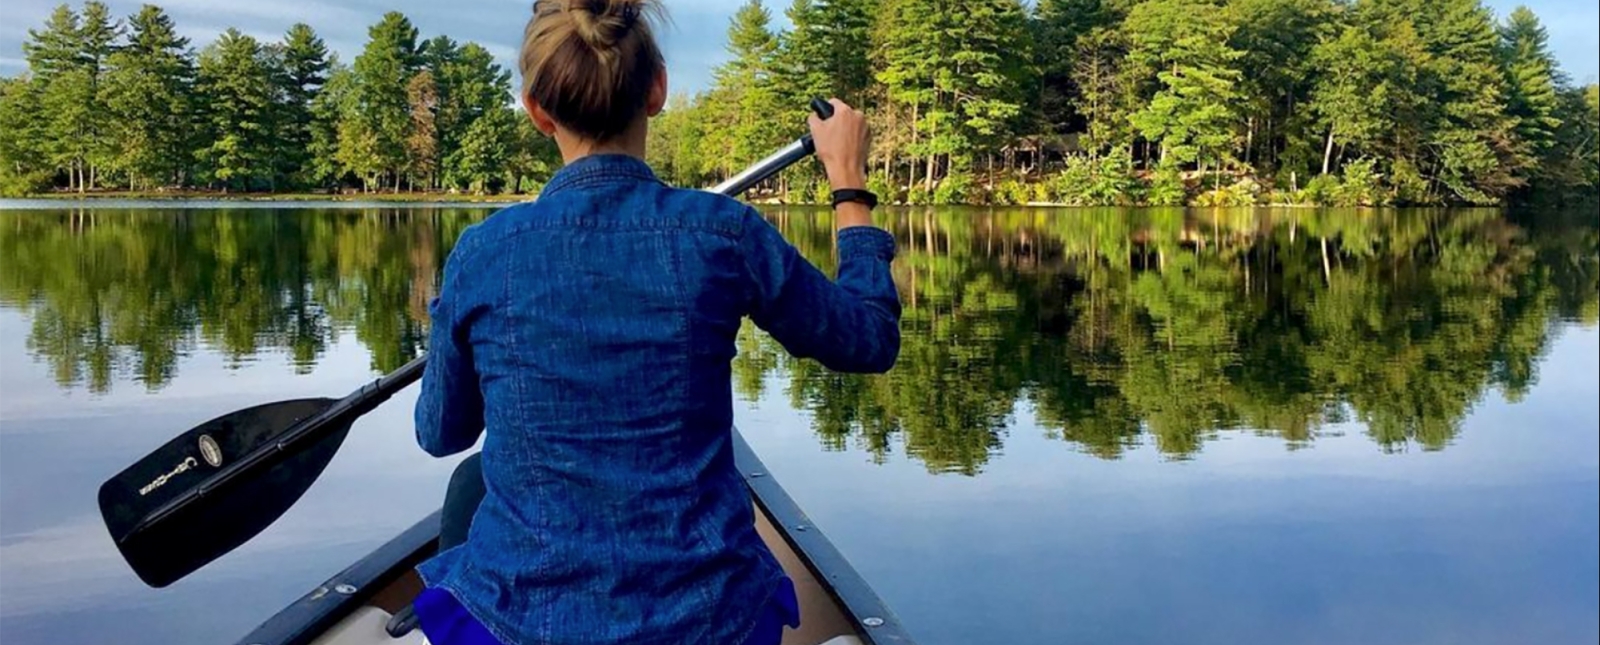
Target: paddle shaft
373 394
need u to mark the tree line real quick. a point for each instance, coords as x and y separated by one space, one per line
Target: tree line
111 103
1116 327
1160 102
1079 102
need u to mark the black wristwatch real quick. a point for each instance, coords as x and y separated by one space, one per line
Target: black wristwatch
855 195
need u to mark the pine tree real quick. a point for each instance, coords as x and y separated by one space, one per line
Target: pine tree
471 86
441 57
1359 91
382 71
1573 160
486 149
303 59
912 41
55 50
66 88
22 166
1469 135
97 38
235 84
148 91
1532 77
1063 49
992 76
1193 112
826 51
324 167
1276 39
746 83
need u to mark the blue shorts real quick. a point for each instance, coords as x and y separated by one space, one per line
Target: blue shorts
445 622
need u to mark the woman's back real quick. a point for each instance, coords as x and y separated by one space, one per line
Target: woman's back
590 336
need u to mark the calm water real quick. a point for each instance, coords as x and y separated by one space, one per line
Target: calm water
1105 427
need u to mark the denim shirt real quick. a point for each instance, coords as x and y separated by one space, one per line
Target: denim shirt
588 337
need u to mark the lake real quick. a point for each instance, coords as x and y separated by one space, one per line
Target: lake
1106 426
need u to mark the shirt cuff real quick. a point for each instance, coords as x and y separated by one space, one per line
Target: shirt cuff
866 241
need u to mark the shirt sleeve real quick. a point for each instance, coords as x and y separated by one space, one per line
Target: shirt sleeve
449 412
851 325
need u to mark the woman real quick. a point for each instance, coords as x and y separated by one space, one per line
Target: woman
588 337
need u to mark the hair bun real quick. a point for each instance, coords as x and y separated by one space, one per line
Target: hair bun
601 23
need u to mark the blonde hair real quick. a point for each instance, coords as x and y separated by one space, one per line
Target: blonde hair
590 63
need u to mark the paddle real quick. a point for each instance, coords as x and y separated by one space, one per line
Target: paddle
215 487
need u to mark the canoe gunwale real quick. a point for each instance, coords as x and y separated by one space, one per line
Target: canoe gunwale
309 616
818 553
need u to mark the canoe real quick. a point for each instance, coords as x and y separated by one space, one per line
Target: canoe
356 606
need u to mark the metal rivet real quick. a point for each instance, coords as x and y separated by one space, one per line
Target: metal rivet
758 474
872 621
345 589
800 527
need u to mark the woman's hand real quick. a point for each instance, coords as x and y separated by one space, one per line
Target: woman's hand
843 142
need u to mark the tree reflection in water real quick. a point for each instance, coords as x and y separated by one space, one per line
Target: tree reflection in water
1113 326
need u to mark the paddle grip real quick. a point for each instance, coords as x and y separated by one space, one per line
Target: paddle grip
824 111
823 108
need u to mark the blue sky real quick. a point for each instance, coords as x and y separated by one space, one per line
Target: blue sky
693 42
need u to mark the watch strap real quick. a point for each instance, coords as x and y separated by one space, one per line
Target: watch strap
855 195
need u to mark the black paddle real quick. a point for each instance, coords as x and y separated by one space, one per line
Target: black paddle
220 484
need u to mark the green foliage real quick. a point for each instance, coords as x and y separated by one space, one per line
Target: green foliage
304 69
1366 85
379 104
235 86
955 188
1193 110
880 185
750 98
108 104
486 148
1532 78
146 92
1095 181
1166 187
1012 193
1449 105
919 195
1241 193
22 172
1359 186
1322 190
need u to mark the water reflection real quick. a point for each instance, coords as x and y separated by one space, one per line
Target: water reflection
1116 327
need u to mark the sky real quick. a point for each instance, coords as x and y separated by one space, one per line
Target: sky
693 42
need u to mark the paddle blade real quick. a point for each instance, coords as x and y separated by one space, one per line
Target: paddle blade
227 514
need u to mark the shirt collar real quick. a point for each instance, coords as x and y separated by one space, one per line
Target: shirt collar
596 169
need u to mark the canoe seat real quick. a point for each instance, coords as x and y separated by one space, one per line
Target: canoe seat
364 626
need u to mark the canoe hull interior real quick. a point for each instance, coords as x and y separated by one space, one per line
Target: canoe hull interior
837 607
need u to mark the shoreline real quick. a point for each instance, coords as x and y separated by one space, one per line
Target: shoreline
204 196
292 201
